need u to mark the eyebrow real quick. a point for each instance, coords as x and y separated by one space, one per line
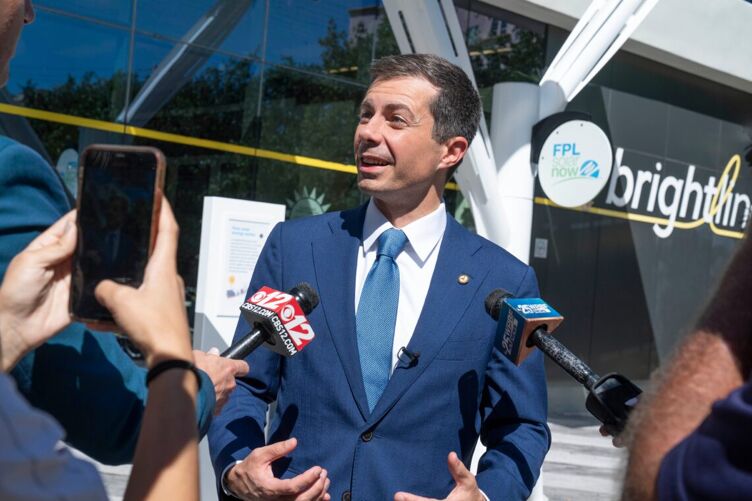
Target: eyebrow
390 108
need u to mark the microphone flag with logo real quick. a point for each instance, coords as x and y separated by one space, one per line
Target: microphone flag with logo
278 321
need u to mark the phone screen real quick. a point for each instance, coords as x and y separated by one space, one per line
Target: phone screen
114 225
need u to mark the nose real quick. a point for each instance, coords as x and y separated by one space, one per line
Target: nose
29 14
369 132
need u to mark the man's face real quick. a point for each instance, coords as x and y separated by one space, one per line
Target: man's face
13 15
396 155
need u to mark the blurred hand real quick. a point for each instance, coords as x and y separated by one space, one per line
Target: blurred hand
465 490
253 479
617 440
34 294
154 315
222 372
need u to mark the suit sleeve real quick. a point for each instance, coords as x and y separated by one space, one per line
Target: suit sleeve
83 379
514 412
240 427
713 462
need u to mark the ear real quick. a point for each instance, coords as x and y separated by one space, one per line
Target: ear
454 149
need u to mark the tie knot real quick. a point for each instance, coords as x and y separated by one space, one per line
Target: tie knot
391 242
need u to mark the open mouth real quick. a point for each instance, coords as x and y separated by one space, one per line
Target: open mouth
372 162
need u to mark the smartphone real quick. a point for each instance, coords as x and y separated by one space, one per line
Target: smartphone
119 196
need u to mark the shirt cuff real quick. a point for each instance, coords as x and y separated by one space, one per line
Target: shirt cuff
222 482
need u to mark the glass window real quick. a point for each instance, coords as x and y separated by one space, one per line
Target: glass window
112 11
192 91
235 27
84 75
502 46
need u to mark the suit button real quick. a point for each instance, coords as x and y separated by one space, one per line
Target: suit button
367 436
346 496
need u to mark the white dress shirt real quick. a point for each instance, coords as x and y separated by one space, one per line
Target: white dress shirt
416 263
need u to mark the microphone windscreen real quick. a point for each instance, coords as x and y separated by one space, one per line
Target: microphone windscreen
494 301
306 296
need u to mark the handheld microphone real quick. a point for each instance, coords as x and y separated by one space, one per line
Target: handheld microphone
527 323
278 321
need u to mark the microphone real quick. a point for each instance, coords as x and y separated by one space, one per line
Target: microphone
278 321
524 324
409 358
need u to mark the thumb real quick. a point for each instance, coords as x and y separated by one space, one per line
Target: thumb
270 453
109 293
460 473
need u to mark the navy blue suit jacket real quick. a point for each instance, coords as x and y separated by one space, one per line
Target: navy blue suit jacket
460 387
84 379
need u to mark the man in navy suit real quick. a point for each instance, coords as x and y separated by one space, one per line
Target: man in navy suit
405 373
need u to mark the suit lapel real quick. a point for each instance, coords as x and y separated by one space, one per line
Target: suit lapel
335 262
445 303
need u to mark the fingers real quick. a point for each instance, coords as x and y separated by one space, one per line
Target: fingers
297 485
57 243
52 234
241 368
166 247
270 453
460 473
406 496
318 490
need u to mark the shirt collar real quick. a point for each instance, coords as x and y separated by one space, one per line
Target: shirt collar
422 234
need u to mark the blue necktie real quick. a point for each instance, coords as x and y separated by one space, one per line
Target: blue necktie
377 315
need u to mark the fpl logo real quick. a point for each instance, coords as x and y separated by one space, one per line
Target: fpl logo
567 164
575 162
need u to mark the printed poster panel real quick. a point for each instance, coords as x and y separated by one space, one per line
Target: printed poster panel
244 239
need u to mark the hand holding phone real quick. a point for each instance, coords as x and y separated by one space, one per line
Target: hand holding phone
120 190
153 315
34 293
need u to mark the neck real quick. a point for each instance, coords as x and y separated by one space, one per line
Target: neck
401 212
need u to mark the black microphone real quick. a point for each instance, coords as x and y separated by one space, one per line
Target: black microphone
409 358
278 321
527 323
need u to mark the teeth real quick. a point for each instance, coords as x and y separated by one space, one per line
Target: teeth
374 162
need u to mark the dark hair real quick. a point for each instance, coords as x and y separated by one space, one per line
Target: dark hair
456 109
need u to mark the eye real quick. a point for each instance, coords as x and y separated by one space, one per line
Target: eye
364 116
398 120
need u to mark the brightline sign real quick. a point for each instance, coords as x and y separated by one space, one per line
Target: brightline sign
685 203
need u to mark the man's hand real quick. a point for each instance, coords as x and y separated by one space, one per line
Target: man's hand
253 479
34 295
616 440
465 490
222 372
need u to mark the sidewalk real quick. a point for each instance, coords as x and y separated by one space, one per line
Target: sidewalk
581 465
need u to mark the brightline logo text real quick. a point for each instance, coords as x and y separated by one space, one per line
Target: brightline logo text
685 203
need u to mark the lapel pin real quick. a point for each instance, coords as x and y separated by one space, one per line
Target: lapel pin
463 279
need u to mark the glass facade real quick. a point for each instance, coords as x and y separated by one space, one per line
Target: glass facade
258 100
633 271
247 99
